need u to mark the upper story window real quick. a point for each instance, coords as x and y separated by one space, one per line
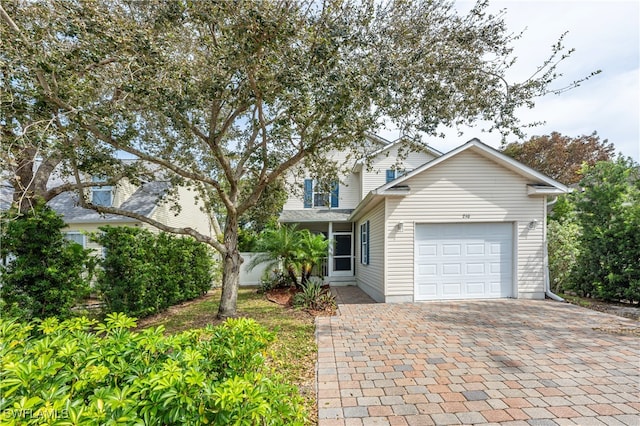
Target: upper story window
76 237
101 195
394 174
317 195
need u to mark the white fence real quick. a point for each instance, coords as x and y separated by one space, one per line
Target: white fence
248 278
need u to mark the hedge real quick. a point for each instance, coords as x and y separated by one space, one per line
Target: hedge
79 372
145 273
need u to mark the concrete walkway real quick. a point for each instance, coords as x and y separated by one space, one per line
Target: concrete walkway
501 361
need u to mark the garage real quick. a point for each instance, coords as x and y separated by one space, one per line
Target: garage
463 261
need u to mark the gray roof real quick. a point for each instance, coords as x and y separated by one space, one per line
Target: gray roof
142 202
315 215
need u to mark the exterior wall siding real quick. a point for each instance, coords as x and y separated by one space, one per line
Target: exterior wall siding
467 188
348 194
370 278
376 177
123 191
92 228
355 186
190 214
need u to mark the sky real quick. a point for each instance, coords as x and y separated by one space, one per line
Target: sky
606 36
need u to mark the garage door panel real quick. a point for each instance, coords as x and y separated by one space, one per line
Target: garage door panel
475 269
451 269
428 292
475 288
427 250
464 261
451 249
496 287
498 248
474 249
452 289
428 269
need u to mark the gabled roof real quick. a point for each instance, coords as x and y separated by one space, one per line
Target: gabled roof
543 185
143 201
488 152
389 145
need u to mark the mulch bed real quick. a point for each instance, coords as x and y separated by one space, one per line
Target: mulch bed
284 296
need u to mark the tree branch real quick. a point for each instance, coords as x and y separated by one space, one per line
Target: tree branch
161 226
7 19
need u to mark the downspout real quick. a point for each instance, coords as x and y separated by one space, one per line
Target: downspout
547 282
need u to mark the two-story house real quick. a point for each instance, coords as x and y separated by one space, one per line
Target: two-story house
424 225
145 200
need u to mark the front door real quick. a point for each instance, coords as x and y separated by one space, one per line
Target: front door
342 263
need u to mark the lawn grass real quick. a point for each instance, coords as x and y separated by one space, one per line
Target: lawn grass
293 353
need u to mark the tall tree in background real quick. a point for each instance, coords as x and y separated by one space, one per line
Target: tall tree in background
608 211
561 157
226 97
39 143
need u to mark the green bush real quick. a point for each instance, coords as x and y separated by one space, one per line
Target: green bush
78 372
145 273
608 211
46 275
564 249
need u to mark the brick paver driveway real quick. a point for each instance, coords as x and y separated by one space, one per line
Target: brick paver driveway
500 361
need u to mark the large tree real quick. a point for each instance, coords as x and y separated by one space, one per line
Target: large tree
219 95
561 157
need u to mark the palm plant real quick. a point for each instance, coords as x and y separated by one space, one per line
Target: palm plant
280 248
314 249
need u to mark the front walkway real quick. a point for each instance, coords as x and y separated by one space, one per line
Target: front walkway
500 361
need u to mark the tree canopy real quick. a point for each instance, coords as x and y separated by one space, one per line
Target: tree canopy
561 157
226 97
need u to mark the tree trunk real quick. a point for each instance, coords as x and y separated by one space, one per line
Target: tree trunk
231 262
30 183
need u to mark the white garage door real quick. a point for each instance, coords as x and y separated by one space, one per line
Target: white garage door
463 261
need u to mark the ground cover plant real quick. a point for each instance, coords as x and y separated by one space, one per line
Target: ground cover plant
292 354
82 372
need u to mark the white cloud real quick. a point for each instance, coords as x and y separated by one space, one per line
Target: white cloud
606 36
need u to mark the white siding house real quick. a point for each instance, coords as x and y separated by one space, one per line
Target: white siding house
468 224
145 200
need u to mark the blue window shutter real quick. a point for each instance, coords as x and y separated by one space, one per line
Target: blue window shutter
368 242
308 193
391 175
335 194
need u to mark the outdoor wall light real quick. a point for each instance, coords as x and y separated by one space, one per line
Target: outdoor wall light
533 224
400 226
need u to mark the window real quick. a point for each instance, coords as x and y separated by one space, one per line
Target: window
317 196
364 243
394 174
101 195
76 237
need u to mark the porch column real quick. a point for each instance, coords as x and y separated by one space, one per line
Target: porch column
330 258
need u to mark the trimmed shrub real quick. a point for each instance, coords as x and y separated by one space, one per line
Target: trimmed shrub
81 372
46 275
145 273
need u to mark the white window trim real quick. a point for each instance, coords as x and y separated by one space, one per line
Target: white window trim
83 237
101 189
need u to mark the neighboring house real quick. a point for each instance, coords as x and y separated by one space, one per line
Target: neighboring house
468 224
138 199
